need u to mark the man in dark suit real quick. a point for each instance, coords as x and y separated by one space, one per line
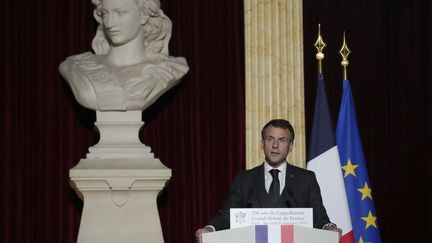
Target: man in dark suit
273 184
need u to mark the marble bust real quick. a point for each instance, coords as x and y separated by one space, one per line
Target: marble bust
130 67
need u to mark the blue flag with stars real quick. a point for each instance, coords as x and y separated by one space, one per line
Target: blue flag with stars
357 185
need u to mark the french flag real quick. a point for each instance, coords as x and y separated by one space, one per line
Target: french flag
323 159
274 234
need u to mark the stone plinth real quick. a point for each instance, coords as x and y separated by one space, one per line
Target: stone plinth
120 199
119 136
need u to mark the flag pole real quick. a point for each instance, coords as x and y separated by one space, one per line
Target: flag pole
323 156
319 45
344 51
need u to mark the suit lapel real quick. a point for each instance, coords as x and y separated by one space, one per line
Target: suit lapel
260 185
289 177
290 184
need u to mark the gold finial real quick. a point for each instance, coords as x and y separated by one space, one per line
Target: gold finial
344 51
319 45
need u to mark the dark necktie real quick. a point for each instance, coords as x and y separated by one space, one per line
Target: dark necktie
274 190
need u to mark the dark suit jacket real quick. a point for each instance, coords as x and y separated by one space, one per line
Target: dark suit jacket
248 191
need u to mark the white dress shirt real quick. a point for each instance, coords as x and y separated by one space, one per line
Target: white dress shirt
268 177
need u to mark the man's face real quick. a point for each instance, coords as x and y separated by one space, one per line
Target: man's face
276 145
122 20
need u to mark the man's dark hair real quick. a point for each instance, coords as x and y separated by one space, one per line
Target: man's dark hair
281 123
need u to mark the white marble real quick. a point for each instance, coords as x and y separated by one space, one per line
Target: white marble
120 199
119 136
131 67
120 179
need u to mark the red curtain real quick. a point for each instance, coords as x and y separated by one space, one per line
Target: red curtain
196 129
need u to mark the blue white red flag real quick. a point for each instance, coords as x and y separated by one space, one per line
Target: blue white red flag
323 159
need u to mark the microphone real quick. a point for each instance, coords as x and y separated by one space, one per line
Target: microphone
291 194
249 197
287 202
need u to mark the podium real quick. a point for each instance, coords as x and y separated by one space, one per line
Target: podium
272 234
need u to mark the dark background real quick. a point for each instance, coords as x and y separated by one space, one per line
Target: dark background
390 73
197 129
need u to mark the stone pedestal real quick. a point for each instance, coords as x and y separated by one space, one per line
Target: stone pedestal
119 136
119 182
120 199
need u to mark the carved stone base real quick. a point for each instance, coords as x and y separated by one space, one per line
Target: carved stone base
119 136
120 199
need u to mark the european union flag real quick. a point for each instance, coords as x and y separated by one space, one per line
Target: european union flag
324 161
357 185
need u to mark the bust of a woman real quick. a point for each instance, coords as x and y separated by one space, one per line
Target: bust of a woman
131 67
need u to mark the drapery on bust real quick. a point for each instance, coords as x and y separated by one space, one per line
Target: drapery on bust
131 67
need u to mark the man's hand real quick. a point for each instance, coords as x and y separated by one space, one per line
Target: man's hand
335 229
199 232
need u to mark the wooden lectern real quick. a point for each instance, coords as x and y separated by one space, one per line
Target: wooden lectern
272 234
